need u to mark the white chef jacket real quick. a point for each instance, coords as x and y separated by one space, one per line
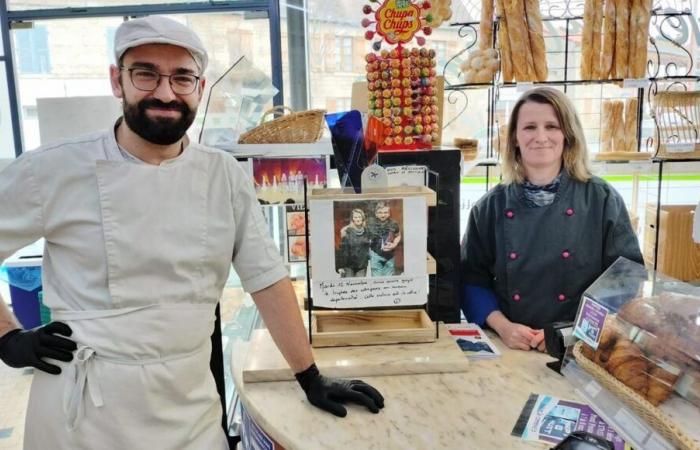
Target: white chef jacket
135 260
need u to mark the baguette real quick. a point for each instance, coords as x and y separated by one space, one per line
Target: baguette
597 39
504 44
486 24
618 123
606 126
536 33
609 39
640 15
631 105
622 38
587 39
521 54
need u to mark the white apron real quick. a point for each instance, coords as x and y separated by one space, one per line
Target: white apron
140 378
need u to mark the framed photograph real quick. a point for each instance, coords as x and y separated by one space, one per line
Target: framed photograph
296 222
368 252
281 180
296 248
367 238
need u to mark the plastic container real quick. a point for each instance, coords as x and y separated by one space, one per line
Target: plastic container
24 277
637 357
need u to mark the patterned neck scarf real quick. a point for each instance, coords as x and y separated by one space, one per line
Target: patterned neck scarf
537 196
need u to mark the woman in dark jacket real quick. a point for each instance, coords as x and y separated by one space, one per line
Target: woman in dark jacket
536 241
353 254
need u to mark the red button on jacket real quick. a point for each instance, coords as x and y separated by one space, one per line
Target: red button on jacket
569 211
513 255
561 297
510 214
516 297
565 254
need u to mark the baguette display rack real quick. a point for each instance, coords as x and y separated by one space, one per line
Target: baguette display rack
677 118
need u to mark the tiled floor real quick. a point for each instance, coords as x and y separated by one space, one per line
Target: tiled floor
14 392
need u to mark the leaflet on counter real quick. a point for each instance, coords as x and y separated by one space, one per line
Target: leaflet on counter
473 341
549 419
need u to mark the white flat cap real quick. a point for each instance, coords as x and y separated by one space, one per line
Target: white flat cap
159 30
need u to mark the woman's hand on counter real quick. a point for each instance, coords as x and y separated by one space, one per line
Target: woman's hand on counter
328 393
537 341
514 335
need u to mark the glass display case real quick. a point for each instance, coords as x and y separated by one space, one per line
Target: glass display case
636 356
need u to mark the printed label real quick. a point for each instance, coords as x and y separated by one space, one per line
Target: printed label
590 321
680 147
635 83
633 427
524 86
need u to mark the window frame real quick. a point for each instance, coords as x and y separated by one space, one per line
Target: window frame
8 18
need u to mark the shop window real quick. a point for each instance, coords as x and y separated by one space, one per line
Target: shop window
32 50
109 36
343 54
440 53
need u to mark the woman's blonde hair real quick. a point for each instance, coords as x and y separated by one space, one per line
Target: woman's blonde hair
360 212
575 154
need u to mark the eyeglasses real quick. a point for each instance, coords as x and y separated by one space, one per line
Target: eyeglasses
148 80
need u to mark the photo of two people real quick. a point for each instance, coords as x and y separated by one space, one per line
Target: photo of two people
368 238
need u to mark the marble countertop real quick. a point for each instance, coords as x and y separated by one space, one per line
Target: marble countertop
475 409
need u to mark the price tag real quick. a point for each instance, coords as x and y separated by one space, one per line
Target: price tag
590 320
631 425
680 147
524 86
635 83
656 441
592 388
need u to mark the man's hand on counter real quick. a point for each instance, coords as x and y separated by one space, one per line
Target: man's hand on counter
328 393
22 348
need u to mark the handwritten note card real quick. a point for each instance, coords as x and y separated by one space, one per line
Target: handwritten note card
407 175
368 252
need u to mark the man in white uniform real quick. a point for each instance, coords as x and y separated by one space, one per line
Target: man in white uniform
141 227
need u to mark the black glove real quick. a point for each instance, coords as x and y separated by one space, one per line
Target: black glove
327 393
22 348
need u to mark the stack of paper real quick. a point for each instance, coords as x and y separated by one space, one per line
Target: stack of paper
473 341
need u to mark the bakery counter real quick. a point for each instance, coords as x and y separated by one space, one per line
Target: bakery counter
476 408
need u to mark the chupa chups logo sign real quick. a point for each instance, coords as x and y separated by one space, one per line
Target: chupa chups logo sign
398 21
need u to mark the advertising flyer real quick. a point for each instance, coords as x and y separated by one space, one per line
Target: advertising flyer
550 419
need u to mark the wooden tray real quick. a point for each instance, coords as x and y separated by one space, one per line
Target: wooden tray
648 412
342 328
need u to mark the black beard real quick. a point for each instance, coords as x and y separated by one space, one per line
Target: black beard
160 131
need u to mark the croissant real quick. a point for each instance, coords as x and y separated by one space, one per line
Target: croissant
660 385
642 313
667 346
628 364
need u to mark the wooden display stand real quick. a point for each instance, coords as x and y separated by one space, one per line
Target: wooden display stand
374 326
677 255
341 328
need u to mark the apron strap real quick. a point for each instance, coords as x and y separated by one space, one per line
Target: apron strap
83 374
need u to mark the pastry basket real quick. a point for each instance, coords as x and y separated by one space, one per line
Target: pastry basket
292 128
645 410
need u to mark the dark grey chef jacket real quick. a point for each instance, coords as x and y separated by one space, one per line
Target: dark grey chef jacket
539 260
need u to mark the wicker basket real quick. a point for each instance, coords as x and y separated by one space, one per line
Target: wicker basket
293 128
645 410
677 117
